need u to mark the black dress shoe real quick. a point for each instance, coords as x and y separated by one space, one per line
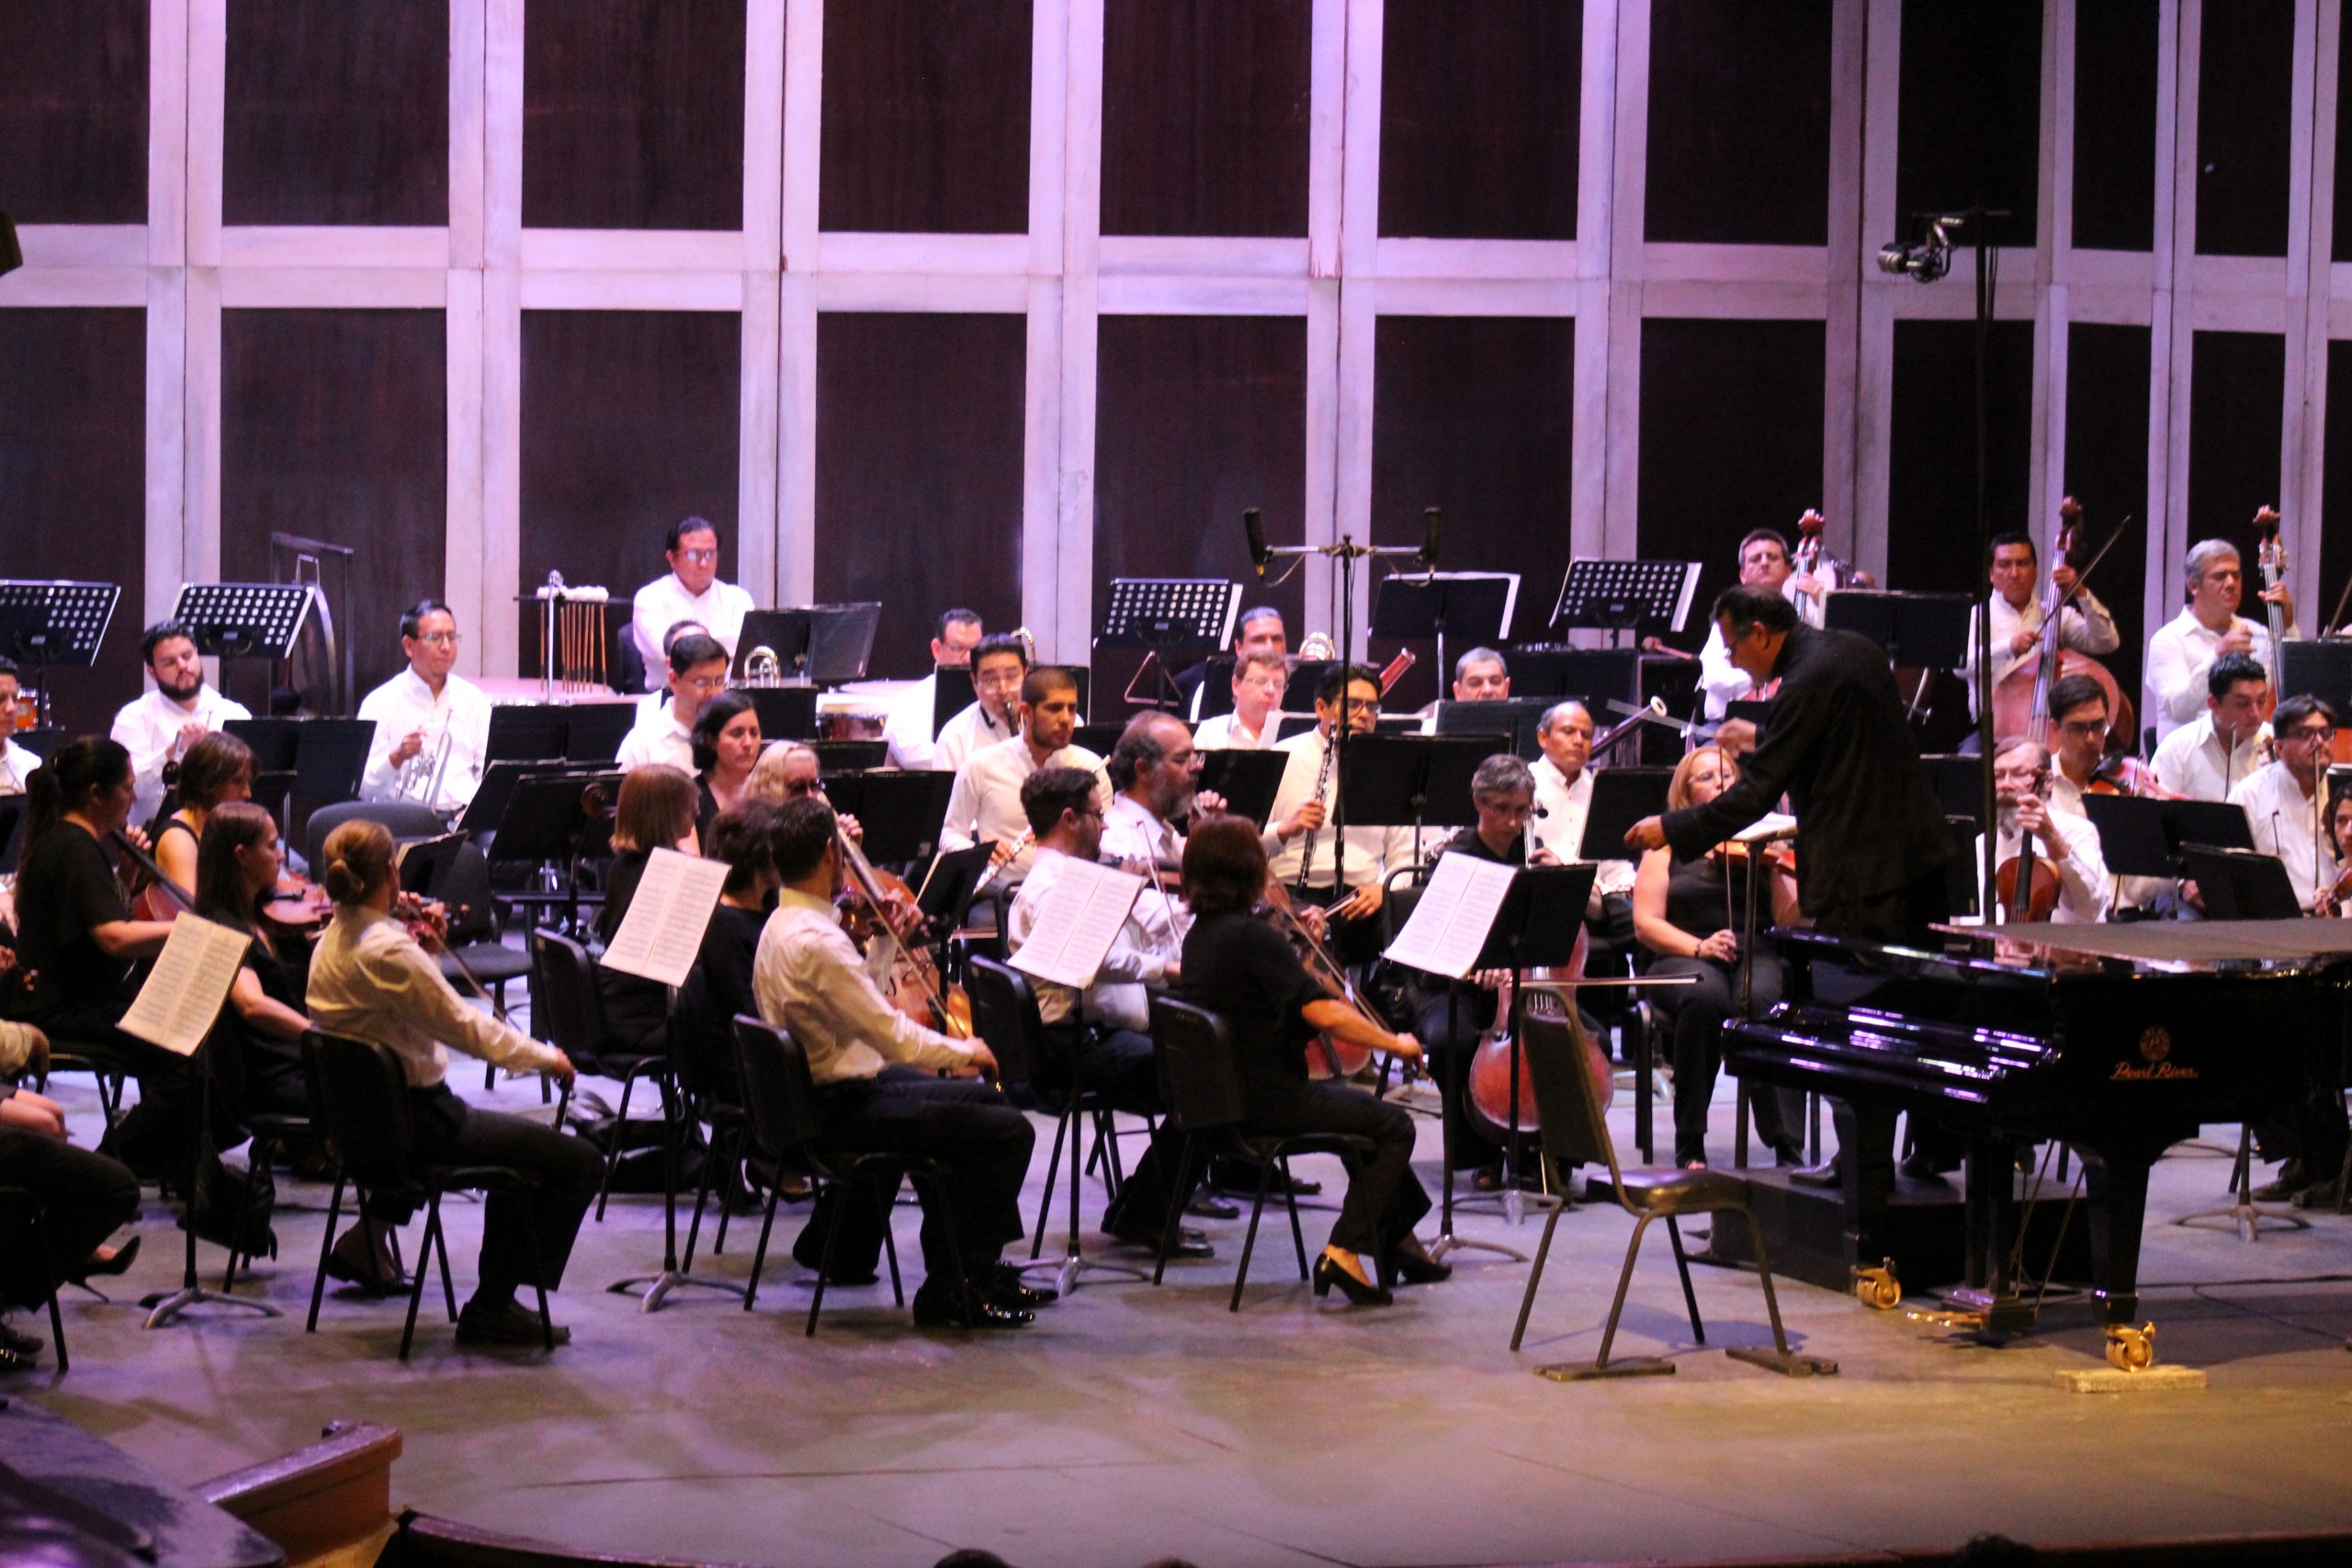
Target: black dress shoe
97 1269
1005 1286
1328 1274
1229 1175
15 1342
1190 1243
1827 1174
1417 1267
2291 1178
507 1324
1207 1207
940 1306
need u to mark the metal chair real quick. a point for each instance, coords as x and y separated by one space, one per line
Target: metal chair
1576 1131
270 1130
1195 1055
364 1099
567 1012
401 818
782 1099
23 1207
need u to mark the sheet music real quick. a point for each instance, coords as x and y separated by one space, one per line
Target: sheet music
1076 921
177 1006
662 934
1448 928
1771 825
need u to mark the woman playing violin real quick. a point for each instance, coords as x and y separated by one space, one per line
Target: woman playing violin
1688 909
236 873
1241 968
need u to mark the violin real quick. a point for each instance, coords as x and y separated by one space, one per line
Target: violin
2119 772
878 906
1326 1056
2027 886
296 905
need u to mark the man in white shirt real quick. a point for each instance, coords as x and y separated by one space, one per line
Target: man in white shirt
880 1091
2067 842
17 764
1153 768
416 709
2086 626
650 705
1258 681
1260 630
2078 730
691 591
2210 626
1101 1038
1479 676
1763 563
985 803
161 726
908 726
1300 848
2205 760
1564 795
697 673
2285 804
999 664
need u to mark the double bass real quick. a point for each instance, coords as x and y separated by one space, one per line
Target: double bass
2021 690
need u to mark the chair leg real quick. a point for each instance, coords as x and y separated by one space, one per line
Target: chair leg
1257 1207
760 1254
890 1246
1297 1236
1117 1177
620 1130
711 1166
424 1264
449 1290
737 1161
1175 1208
1624 1279
825 1263
1764 1272
326 1244
1682 1266
37 1235
1074 1182
1536 1276
256 1159
538 1277
1053 1169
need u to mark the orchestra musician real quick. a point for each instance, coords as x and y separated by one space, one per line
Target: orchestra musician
2208 757
1301 849
1480 676
1101 1039
718 988
1763 563
656 810
650 702
83 1197
218 769
16 763
2184 646
689 591
727 747
371 980
2286 801
1563 797
1873 845
236 871
2065 842
1260 630
1259 679
697 673
2079 724
421 709
160 726
984 805
1241 968
1153 768
1688 909
880 1089
998 665
2085 625
908 726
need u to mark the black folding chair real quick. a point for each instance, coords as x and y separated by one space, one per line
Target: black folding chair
20 1210
568 1012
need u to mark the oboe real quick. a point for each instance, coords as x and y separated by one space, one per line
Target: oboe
1322 788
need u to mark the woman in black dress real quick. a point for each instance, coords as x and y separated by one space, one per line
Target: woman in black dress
726 738
217 769
656 811
1687 910
1240 967
235 874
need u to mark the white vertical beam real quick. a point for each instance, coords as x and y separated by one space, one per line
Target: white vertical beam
1342 224
795 489
2045 439
1605 341
468 22
1342 322
2309 493
208 65
200 444
2299 440
1622 172
1042 405
168 116
500 426
1082 220
758 518
2178 268
1326 127
462 538
1842 329
2160 595
1874 338
763 68
166 493
503 134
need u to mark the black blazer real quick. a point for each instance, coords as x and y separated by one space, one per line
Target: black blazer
1838 744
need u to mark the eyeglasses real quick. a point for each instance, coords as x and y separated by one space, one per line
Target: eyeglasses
707 684
2317 735
701 557
439 639
2087 728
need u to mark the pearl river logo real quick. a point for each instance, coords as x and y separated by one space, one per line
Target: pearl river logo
2155 1051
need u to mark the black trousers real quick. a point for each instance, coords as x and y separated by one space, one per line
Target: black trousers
153 1136
1384 1199
1448 1027
1699 1013
906 1110
526 1236
83 1197
1118 1064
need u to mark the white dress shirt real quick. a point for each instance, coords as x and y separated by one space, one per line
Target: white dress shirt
1560 827
1373 851
664 602
2086 626
2177 656
2191 760
1120 994
985 801
1130 832
967 732
2084 888
371 981
808 978
1224 733
2291 826
405 704
907 724
663 741
150 727
16 765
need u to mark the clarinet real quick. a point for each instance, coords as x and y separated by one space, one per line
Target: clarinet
1322 786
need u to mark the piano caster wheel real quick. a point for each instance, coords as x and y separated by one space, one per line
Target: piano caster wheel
1878 1287
2131 1349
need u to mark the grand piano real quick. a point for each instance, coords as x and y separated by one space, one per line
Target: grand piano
2117 1040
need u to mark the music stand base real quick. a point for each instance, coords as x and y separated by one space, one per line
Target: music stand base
1070 1270
1788 1363
1449 1242
657 1286
167 1305
2246 1219
1623 1367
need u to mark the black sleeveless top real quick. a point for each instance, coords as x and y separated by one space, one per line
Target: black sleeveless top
1696 894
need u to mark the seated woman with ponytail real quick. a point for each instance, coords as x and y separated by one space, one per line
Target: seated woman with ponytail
217 770
371 980
235 872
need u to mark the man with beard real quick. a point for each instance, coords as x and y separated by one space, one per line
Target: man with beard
159 727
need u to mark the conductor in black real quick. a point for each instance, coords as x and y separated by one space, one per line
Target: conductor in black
1872 846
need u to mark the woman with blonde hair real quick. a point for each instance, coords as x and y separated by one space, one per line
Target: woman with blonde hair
371 980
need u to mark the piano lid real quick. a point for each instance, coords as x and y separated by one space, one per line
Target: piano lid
2208 945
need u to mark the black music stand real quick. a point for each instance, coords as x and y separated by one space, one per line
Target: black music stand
546 822
526 732
1619 596
1423 780
1248 780
787 713
244 620
2241 885
952 692
900 809
1167 616
1926 631
499 781
1437 603
1098 738
1621 798
320 759
1512 720
593 730
945 897
46 625
1537 928
1958 782
853 757
2320 668
813 644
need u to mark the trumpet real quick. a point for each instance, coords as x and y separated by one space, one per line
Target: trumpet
763 668
421 775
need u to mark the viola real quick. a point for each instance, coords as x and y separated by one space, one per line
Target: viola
1327 1057
878 906
2027 886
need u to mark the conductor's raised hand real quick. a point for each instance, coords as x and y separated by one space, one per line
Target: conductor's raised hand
1649 833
